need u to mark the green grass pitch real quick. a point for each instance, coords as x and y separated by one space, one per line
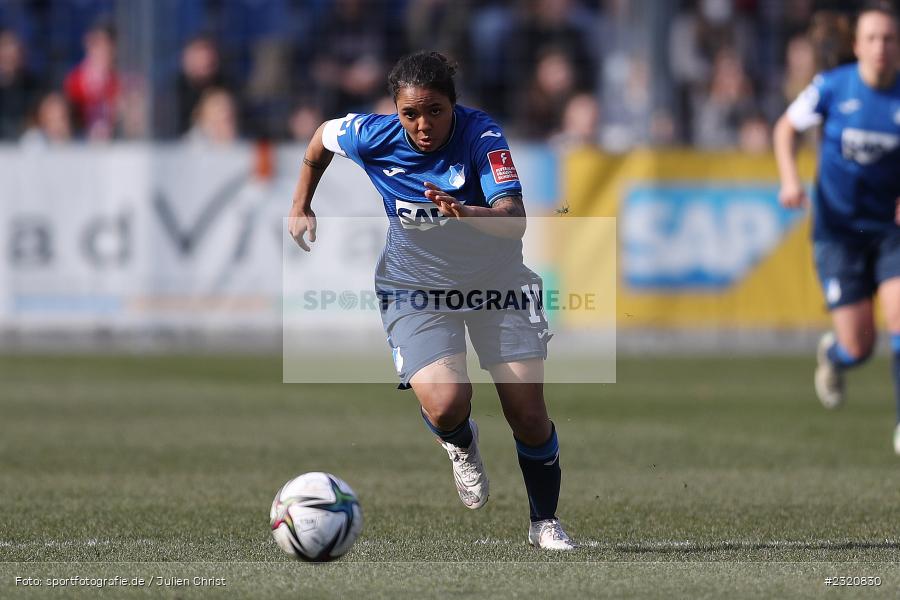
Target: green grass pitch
687 478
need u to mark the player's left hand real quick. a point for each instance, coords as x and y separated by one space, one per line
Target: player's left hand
447 204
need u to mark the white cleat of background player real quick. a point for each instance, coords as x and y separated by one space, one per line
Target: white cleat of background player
829 380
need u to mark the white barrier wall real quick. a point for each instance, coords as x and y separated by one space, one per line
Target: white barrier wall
133 236
137 237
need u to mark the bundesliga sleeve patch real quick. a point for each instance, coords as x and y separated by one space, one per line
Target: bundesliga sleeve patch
502 166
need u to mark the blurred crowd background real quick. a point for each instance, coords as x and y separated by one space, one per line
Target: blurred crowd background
711 74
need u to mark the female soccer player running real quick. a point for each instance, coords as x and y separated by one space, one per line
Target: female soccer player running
856 227
454 203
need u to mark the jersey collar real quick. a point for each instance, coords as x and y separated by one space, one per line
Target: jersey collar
441 147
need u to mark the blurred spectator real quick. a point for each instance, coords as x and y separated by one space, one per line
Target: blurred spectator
634 114
627 123
754 135
548 93
440 25
133 107
491 71
580 123
18 87
795 15
831 34
662 129
245 23
50 123
334 54
729 98
267 94
200 70
64 23
800 66
215 119
349 61
699 32
559 24
385 106
688 54
304 121
93 87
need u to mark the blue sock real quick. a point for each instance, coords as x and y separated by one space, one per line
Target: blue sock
895 369
540 468
461 436
839 356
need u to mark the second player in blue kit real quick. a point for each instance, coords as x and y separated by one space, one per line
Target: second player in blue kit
856 200
452 264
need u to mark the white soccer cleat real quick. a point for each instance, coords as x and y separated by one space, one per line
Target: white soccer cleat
549 535
829 380
468 471
897 440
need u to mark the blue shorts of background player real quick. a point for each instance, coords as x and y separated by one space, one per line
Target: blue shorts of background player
851 270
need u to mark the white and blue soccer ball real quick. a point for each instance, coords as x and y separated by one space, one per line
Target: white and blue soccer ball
316 517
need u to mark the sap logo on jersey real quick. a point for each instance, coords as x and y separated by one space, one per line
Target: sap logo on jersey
698 237
419 215
867 147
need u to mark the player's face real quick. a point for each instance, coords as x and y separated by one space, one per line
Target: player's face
876 44
426 115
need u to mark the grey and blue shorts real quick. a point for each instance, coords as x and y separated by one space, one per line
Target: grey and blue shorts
506 323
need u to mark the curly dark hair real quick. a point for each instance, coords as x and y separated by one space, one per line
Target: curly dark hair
429 70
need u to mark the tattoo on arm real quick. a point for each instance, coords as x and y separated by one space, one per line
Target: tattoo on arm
315 165
511 205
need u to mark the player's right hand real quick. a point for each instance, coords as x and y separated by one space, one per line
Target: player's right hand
302 222
793 196
447 204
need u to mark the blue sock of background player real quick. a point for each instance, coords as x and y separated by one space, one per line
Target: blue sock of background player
895 369
540 469
841 358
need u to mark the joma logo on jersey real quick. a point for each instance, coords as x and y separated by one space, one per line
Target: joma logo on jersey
850 106
419 215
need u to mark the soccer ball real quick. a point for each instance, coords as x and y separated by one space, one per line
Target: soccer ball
315 517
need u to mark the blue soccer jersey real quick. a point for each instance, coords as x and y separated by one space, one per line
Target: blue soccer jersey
858 180
425 249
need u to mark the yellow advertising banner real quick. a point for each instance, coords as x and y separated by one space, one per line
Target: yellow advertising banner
701 239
